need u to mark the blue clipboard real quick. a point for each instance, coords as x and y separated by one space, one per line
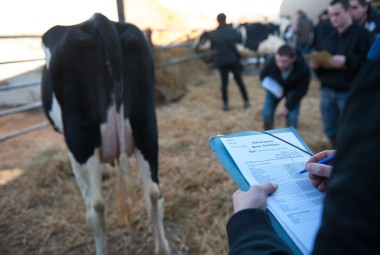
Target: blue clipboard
229 164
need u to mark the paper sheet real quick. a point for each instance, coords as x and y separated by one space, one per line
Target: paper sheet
297 204
273 87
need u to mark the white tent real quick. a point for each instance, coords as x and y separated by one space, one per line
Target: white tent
311 7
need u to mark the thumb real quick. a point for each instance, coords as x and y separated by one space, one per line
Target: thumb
319 169
269 188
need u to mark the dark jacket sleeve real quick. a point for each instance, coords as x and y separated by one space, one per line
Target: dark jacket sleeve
351 219
224 40
298 82
250 232
265 71
354 60
354 44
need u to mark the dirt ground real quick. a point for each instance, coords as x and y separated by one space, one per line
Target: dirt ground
41 208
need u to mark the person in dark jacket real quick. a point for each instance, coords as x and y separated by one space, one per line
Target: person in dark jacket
227 58
321 29
351 219
304 32
292 73
365 15
348 44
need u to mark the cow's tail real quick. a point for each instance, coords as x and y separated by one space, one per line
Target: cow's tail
114 61
113 56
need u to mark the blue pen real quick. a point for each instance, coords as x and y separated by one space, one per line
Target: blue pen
323 161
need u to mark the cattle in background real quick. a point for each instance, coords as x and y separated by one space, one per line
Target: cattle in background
258 39
97 89
254 34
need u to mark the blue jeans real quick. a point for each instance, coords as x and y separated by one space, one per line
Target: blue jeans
332 104
270 104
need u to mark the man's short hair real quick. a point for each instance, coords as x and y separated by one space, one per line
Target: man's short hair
286 50
221 18
362 2
344 3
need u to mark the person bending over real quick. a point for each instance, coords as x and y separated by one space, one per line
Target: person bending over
289 70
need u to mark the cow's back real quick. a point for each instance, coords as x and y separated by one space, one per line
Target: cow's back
94 66
97 90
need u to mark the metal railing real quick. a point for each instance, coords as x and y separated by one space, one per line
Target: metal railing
19 86
36 83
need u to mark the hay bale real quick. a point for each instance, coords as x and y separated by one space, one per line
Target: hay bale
172 81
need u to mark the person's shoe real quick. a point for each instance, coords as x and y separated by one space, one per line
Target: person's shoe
247 104
226 107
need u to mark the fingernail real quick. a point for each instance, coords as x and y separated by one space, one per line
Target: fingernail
275 185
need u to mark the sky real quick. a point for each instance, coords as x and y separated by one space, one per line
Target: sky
232 8
36 16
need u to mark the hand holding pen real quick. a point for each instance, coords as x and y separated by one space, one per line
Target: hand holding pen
319 171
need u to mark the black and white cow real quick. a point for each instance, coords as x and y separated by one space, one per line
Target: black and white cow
258 39
98 89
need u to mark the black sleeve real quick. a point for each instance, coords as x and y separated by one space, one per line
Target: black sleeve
351 219
250 232
300 90
354 60
267 66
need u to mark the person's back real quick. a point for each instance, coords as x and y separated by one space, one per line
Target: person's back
227 58
224 40
351 220
304 32
304 29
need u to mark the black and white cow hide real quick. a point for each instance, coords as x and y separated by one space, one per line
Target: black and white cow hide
258 39
98 91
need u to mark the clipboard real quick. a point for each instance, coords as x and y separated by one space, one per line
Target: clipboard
321 57
229 164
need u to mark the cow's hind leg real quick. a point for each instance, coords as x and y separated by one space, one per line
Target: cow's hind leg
155 205
88 176
124 188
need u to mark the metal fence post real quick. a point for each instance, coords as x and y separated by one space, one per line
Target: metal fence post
120 10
